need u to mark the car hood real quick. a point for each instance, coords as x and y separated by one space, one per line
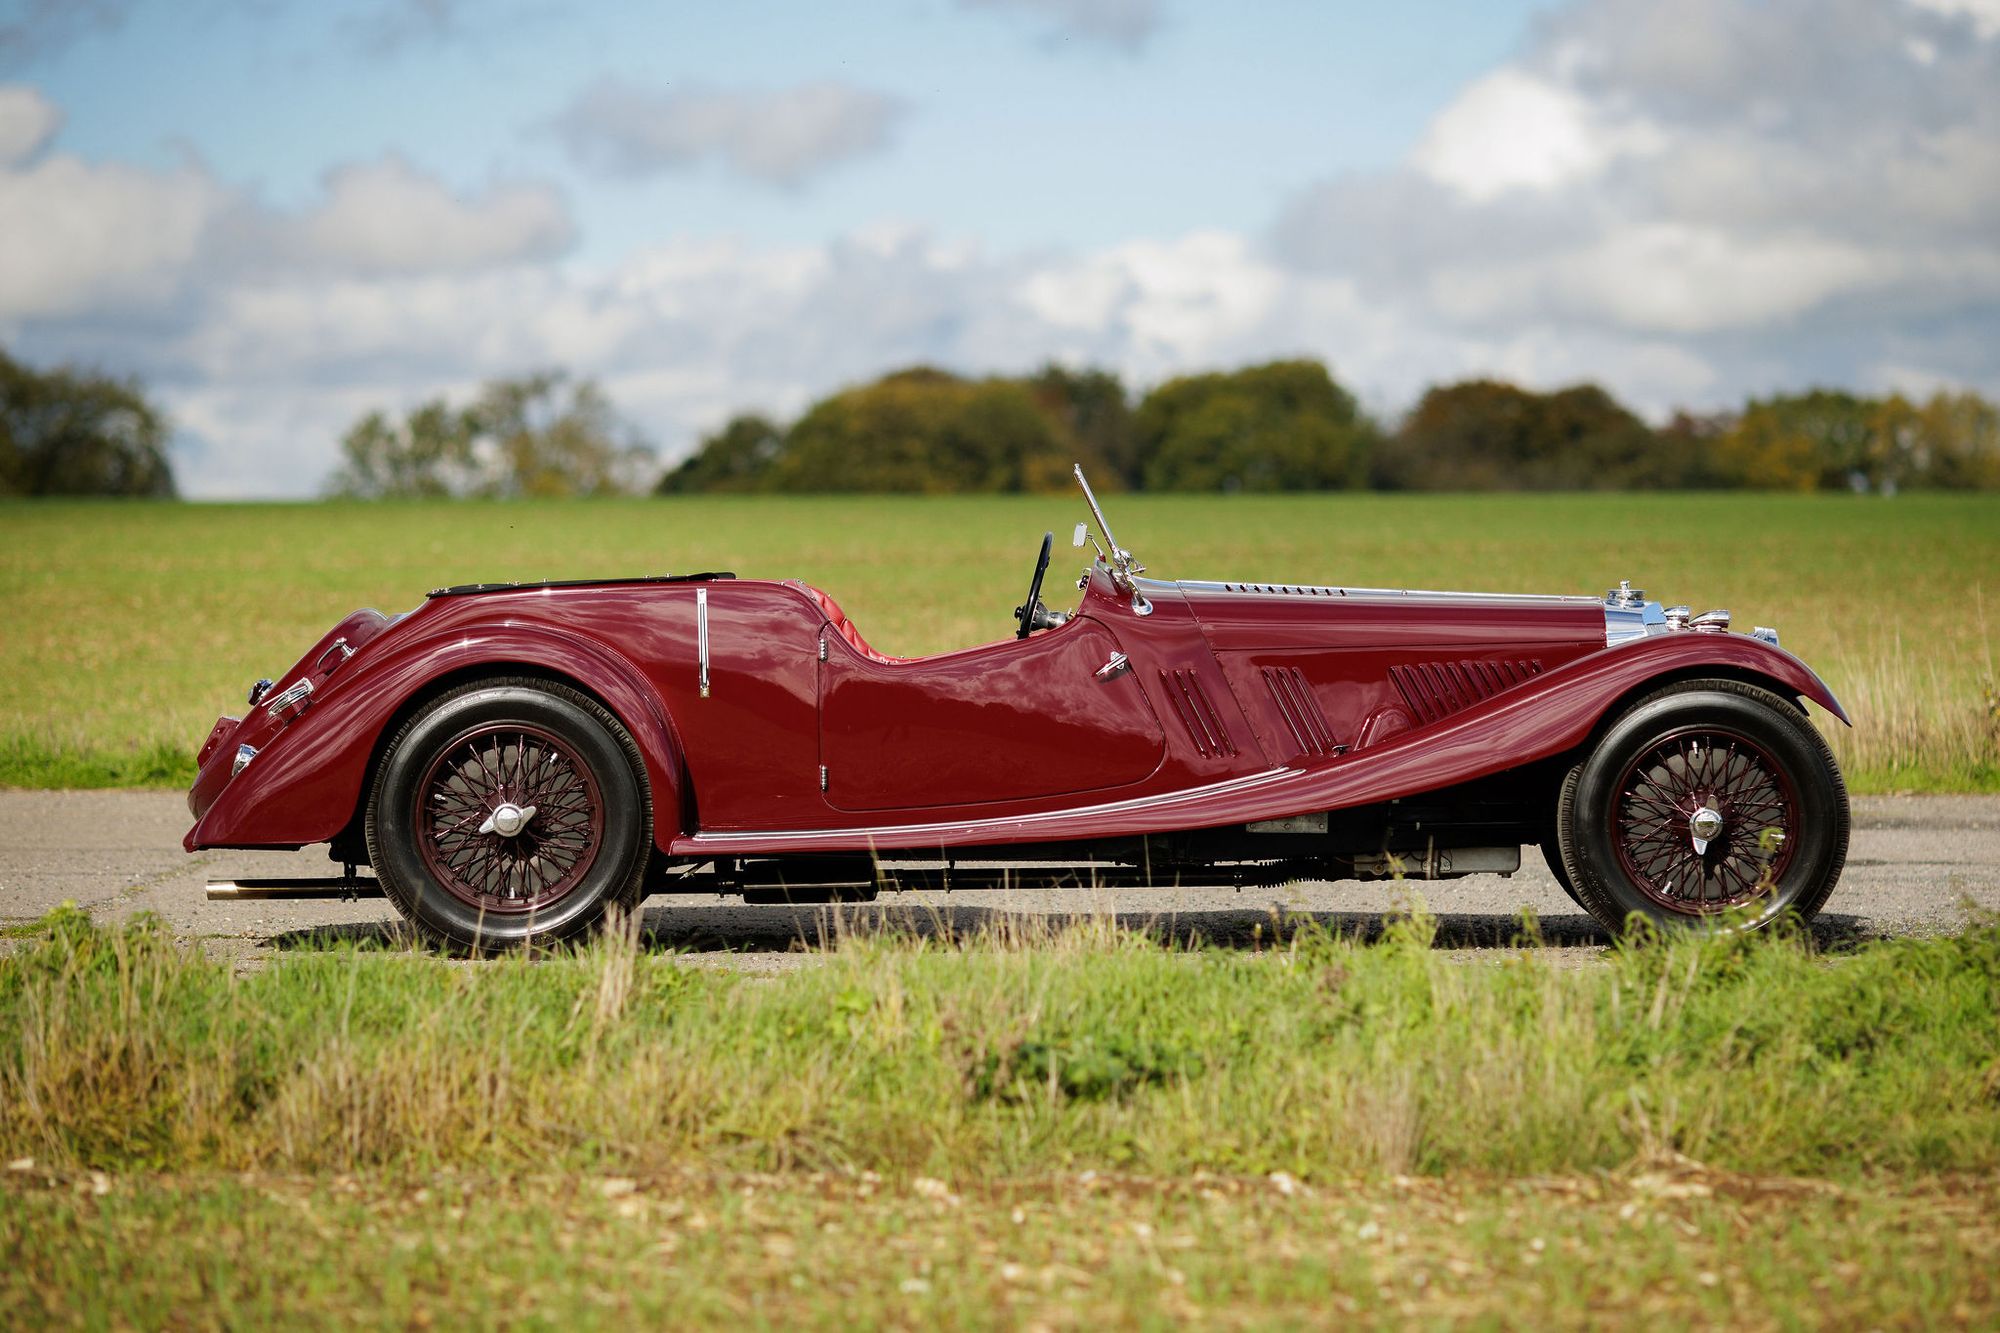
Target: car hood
1237 616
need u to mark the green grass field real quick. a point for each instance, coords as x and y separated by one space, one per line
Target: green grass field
129 626
1076 1128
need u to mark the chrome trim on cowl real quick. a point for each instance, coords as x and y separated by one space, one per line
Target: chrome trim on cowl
244 754
1626 621
701 635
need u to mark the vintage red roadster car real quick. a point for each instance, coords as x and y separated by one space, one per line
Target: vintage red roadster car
514 759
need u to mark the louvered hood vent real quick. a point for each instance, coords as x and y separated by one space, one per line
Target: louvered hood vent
1438 689
1286 589
1294 698
1204 724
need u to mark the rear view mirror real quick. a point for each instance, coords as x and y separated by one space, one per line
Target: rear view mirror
1082 535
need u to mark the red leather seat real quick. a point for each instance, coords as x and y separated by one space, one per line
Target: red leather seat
839 621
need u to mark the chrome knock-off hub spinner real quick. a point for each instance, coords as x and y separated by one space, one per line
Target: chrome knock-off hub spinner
508 819
1704 826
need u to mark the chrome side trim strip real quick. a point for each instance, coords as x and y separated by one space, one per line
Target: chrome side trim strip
899 831
701 635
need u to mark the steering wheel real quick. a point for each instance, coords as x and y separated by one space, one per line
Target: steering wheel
1031 614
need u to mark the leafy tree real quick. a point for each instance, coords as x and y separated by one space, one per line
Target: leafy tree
1480 435
1829 439
519 437
425 454
1092 407
739 457
1820 440
1959 436
1692 439
1281 426
927 430
69 432
528 439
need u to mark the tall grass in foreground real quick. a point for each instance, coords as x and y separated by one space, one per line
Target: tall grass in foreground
999 1056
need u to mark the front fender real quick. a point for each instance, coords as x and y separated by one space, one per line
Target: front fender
306 784
1551 715
1687 655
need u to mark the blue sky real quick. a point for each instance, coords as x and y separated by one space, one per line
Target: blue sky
280 213
1013 130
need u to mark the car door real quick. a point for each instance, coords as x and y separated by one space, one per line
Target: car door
1052 715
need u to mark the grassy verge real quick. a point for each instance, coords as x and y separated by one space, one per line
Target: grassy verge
1667 1247
1068 1129
1009 1054
131 626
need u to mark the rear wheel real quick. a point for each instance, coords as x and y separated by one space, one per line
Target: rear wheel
1708 799
508 811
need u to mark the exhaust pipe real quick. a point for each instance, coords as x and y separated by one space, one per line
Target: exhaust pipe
243 890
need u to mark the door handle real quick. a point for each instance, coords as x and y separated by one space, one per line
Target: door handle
1117 666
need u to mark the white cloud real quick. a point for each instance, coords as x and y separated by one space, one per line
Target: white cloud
1125 24
1514 130
81 237
780 137
1662 278
388 217
1175 302
1985 14
1783 191
27 122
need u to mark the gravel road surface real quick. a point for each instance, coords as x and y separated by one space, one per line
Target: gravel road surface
1914 864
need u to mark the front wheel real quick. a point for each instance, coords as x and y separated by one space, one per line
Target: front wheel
1707 800
508 811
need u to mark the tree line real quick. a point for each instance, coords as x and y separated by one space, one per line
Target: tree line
1281 426
1289 426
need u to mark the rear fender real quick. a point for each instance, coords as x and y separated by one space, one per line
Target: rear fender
306 785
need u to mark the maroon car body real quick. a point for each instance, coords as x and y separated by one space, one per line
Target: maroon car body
1194 724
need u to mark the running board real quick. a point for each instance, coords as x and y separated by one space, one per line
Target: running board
241 890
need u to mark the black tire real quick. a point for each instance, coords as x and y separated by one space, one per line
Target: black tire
1625 826
1552 854
551 880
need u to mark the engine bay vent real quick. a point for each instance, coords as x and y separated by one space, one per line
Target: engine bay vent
1294 698
1438 689
1204 724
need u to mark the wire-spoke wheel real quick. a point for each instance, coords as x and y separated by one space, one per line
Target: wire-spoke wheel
1703 820
507 811
508 818
1709 799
